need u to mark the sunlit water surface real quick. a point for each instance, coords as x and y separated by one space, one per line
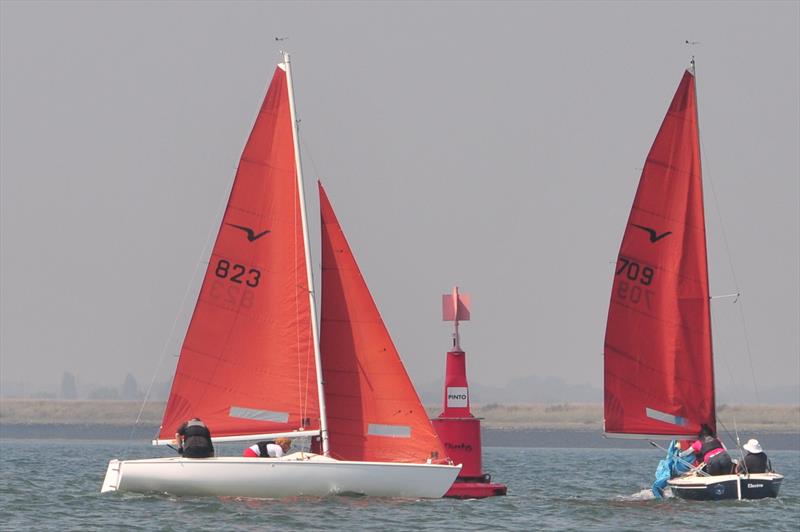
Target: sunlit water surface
54 485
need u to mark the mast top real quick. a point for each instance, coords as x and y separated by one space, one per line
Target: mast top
691 62
284 61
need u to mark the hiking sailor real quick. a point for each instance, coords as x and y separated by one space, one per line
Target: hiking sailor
194 439
268 449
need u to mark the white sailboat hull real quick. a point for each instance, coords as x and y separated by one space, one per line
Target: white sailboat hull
296 475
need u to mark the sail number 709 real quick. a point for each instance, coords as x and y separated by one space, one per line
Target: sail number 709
633 271
628 288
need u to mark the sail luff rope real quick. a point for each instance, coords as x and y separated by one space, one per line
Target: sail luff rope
307 152
303 397
718 211
198 262
301 389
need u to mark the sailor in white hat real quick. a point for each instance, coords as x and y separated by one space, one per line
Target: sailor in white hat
755 459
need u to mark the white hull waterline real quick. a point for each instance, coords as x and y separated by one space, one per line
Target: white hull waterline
299 474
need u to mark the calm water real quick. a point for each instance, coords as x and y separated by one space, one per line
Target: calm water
53 485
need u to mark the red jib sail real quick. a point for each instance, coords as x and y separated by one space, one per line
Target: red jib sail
373 411
247 362
659 376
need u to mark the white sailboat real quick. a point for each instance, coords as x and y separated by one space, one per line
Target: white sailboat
253 366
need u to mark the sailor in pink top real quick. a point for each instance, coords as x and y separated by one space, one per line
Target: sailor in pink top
709 450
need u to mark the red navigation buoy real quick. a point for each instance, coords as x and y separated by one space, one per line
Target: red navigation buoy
458 429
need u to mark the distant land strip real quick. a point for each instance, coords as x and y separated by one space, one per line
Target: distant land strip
567 416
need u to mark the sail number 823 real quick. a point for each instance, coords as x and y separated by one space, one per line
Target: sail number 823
237 273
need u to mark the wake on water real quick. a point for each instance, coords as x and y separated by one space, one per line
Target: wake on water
644 495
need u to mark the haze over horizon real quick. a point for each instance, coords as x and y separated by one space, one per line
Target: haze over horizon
496 146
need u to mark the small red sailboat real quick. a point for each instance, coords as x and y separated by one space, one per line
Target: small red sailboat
659 373
252 366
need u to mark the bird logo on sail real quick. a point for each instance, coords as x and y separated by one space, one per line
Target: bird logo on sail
252 236
654 236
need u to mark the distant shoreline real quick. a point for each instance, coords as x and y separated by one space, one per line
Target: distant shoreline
781 419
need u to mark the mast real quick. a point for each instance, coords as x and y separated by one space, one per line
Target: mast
323 419
693 69
454 299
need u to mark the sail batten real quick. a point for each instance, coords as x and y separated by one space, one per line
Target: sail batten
658 356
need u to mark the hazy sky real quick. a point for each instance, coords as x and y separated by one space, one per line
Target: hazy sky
493 145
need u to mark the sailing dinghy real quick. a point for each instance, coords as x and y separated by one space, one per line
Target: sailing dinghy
659 373
253 368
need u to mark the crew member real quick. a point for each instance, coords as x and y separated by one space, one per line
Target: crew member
194 439
755 459
709 450
269 449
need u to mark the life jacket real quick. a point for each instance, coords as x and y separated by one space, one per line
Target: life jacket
262 447
195 427
710 447
196 434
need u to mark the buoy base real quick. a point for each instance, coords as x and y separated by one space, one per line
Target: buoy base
475 490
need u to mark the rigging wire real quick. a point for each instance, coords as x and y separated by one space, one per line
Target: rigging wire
733 413
306 151
304 394
738 442
204 253
729 256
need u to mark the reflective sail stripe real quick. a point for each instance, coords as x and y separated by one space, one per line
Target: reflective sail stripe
258 415
666 418
392 431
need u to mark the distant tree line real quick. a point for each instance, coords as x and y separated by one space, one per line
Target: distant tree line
129 390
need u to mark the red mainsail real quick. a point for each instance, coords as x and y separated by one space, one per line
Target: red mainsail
247 363
659 375
373 411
